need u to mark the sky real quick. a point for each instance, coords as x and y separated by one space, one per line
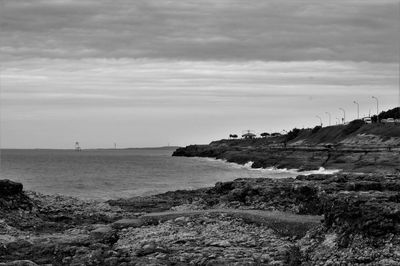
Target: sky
157 72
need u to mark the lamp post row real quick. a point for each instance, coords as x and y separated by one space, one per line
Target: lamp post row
344 112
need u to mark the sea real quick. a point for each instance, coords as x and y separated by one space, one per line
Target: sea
102 174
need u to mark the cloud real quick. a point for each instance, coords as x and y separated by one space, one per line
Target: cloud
201 30
65 84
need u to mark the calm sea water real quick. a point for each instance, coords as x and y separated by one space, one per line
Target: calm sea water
109 174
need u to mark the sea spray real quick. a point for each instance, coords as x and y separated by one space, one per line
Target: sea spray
274 171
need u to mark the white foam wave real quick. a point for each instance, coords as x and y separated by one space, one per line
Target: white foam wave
322 170
249 165
275 172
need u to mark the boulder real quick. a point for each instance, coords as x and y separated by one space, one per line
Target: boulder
370 213
220 243
146 249
9 188
102 232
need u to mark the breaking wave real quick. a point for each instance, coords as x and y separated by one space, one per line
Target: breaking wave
279 171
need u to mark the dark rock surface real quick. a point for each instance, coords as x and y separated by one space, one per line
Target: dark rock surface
360 225
12 197
9 188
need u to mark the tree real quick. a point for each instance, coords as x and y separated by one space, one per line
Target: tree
315 129
265 134
292 134
392 113
233 136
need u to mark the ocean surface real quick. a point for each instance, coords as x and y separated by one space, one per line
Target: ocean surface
110 174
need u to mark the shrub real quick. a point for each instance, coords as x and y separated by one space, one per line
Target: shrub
292 134
393 113
315 129
353 126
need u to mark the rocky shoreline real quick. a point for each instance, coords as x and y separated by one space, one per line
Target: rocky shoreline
303 158
340 219
357 147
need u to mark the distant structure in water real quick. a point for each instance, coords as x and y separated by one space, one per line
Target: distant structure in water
77 147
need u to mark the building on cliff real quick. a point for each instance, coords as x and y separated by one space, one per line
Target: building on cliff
249 135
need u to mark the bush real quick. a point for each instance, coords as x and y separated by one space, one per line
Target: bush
353 126
393 113
316 129
292 134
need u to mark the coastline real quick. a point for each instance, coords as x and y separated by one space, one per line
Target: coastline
364 148
348 217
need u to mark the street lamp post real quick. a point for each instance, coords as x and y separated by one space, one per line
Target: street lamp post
344 115
320 119
377 107
358 109
329 114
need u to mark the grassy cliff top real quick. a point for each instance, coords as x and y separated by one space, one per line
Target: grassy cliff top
356 132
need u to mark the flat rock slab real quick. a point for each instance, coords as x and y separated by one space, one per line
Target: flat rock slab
102 232
283 223
125 223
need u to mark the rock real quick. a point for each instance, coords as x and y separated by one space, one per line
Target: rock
265 258
371 213
181 220
12 196
388 262
125 223
330 240
102 232
112 261
220 243
8 188
19 263
146 249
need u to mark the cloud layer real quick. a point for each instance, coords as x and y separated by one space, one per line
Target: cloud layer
290 30
190 101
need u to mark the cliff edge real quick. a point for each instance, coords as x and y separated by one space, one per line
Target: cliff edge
356 147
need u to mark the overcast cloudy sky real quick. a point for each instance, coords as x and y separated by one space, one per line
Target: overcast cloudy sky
153 72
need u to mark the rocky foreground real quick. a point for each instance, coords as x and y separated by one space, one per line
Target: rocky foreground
341 219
